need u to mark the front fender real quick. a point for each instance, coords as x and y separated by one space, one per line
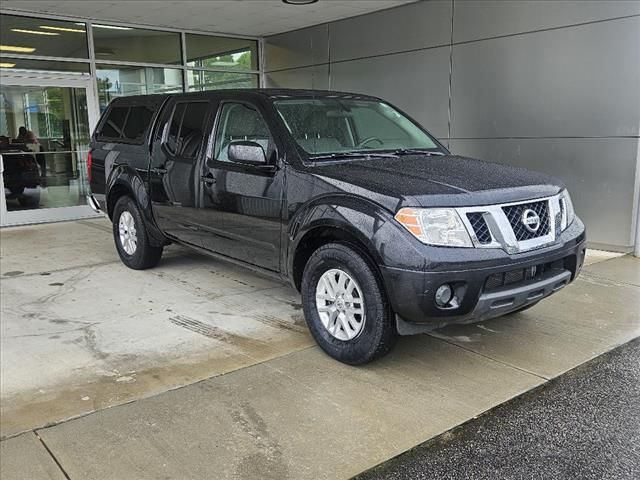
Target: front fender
386 241
123 179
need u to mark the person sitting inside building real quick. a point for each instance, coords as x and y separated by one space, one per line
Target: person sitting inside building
22 135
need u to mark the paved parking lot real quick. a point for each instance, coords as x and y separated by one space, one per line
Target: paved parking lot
81 333
583 425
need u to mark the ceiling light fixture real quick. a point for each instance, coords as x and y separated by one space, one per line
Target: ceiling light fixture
299 2
109 27
11 48
33 32
62 29
7 65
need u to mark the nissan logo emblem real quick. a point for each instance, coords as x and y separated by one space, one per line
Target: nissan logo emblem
531 220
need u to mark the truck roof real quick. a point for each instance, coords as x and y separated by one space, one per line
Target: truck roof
272 93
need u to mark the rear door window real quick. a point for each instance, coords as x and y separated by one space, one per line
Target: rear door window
174 128
186 129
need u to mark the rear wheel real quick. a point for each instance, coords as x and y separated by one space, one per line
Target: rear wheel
345 305
131 238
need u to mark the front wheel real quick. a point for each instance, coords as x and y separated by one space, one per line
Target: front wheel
130 235
345 305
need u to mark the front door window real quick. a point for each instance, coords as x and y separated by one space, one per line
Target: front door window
240 121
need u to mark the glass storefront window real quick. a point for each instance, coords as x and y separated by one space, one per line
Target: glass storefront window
45 130
44 139
204 51
127 44
121 81
44 37
42 65
200 80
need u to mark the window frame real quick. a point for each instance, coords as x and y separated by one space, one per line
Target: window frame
214 137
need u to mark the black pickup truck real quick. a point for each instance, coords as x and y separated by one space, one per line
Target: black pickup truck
380 228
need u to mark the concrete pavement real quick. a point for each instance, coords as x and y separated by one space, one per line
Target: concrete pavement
81 332
269 403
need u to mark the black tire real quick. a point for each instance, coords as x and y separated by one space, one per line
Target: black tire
378 334
145 255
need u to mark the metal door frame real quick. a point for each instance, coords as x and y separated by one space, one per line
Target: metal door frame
49 79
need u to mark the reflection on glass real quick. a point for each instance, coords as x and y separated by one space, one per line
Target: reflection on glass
44 139
122 81
136 45
221 53
40 36
200 80
43 65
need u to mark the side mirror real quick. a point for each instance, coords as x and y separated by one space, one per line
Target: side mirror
249 153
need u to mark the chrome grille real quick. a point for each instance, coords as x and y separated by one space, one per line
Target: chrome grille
501 225
480 227
514 215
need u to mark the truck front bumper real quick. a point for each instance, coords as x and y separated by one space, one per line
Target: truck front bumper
498 287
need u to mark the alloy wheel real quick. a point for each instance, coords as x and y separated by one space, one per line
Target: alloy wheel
127 232
340 304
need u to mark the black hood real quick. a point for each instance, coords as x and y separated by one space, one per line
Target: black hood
436 180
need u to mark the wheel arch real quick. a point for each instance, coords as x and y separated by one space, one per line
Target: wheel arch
319 235
118 191
125 181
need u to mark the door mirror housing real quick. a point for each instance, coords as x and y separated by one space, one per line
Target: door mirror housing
246 152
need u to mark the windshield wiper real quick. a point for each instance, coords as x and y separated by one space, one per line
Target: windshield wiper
417 151
365 155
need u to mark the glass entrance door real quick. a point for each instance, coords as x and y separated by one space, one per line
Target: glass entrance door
45 132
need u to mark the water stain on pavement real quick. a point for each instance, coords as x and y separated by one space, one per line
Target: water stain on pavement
13 273
268 459
43 407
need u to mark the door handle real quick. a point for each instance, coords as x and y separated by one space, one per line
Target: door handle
159 170
208 179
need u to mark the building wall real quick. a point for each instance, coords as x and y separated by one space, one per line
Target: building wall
552 86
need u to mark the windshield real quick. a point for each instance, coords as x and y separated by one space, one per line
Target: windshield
335 125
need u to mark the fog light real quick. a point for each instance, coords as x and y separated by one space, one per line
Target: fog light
444 293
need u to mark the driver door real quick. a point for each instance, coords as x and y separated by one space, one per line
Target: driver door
242 203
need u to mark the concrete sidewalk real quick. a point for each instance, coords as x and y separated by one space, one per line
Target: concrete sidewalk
269 404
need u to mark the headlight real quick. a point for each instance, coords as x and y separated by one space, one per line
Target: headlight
435 226
566 209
